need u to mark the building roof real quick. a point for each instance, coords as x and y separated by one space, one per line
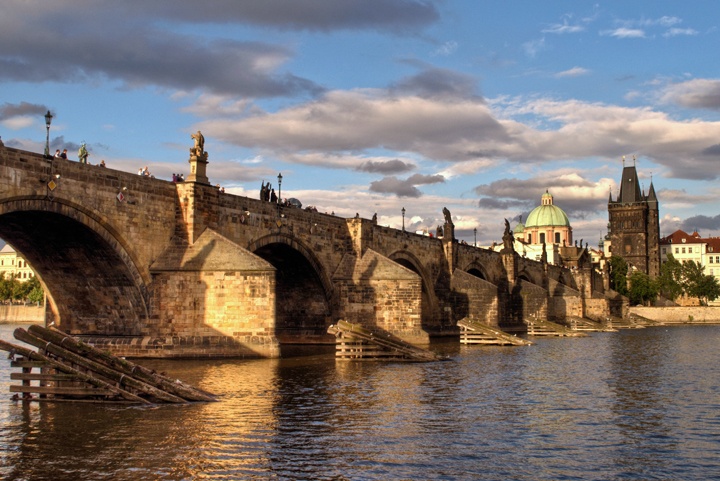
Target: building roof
630 187
630 192
713 244
547 214
682 237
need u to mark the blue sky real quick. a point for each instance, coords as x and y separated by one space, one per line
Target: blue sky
371 106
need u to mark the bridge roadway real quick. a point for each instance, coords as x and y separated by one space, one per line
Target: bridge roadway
147 267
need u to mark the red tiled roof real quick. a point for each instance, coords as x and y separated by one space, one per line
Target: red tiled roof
678 236
713 243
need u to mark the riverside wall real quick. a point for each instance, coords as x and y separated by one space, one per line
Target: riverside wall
22 314
679 314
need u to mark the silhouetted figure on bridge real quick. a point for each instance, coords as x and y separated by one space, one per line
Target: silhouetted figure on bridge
448 216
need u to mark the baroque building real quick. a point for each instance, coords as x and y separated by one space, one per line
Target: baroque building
13 265
546 233
546 224
634 224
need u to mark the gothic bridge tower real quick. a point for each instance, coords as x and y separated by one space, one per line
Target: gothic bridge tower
634 224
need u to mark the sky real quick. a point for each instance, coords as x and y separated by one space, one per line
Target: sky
372 106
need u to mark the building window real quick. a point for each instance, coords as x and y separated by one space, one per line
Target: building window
542 238
683 250
557 238
529 238
677 250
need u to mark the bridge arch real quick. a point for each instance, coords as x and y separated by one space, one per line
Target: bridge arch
476 269
526 275
85 266
304 304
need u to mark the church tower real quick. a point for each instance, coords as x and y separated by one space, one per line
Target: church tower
634 224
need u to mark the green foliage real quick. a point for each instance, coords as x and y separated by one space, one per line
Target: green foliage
642 288
6 288
13 289
697 284
670 280
35 293
618 275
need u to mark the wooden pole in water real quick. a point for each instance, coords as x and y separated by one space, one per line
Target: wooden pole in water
112 374
36 356
124 366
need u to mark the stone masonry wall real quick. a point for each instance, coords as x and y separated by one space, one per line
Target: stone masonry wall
18 313
529 301
474 298
679 315
563 302
211 305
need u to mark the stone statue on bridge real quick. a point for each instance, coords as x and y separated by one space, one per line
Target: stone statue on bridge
508 239
448 216
83 154
199 148
198 159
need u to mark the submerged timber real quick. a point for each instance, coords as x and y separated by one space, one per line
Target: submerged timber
72 370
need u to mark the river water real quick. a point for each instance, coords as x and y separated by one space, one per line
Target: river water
639 404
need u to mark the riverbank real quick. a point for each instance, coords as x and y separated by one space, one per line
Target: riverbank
679 315
12 314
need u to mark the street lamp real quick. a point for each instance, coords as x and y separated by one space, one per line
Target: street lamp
48 120
403 214
280 188
475 234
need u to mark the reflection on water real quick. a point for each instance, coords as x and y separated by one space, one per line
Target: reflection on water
636 404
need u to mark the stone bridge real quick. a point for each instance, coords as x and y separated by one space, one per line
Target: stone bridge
148 267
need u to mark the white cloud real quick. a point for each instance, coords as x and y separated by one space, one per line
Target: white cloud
533 47
563 29
675 32
697 93
448 48
573 72
624 32
19 122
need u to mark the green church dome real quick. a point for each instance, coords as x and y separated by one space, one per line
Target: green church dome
547 214
519 228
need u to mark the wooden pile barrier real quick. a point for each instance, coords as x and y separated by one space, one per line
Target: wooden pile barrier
476 332
541 327
356 343
73 370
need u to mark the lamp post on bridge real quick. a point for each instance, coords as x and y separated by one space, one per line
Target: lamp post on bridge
403 215
48 121
280 188
475 234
